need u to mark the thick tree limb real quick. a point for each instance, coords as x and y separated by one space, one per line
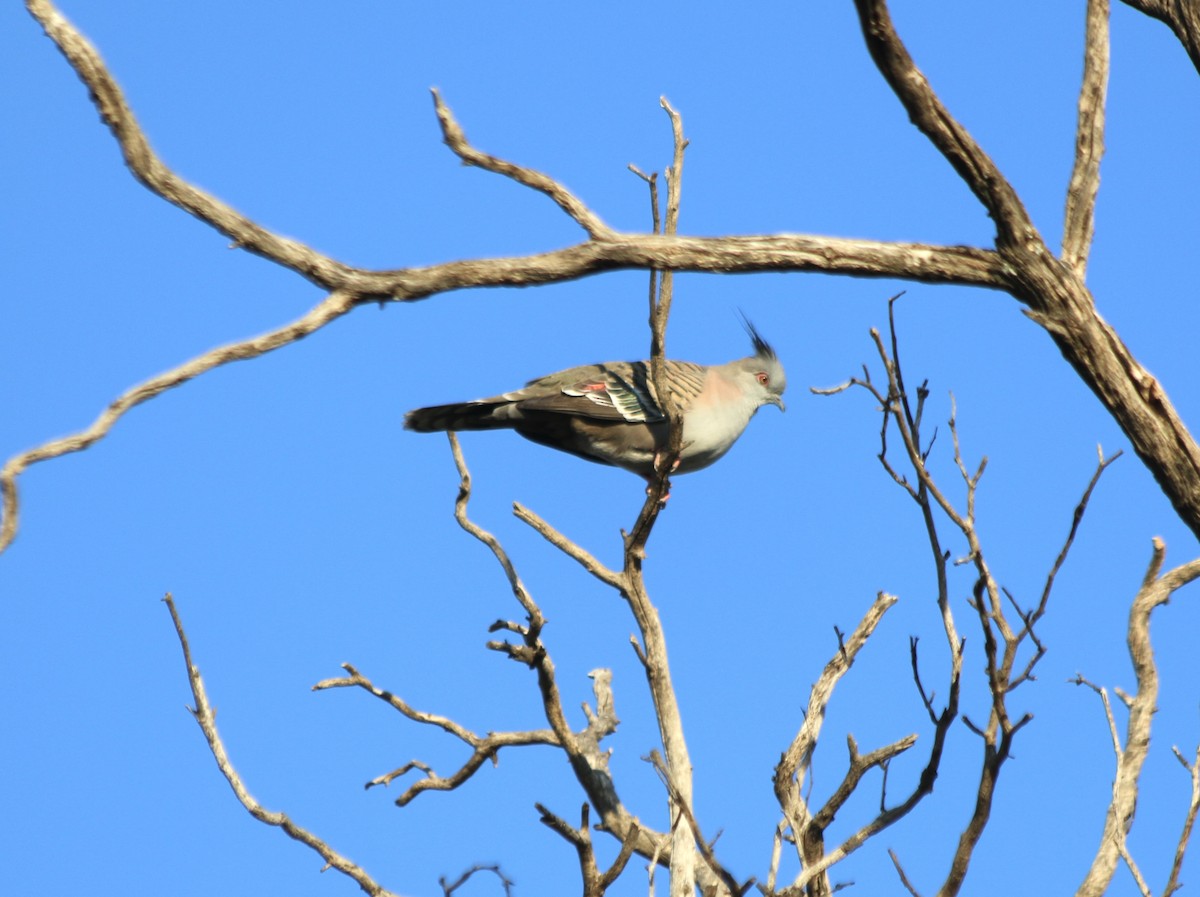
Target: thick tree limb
148 168
933 119
607 251
1052 291
1024 267
1181 16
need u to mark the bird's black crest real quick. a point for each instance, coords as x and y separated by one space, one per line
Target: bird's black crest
761 346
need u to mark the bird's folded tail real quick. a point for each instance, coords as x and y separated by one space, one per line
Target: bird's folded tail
483 415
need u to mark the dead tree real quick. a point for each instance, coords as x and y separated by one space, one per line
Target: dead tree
1051 290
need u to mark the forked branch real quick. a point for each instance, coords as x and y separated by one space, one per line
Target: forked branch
595 882
588 762
1003 641
483 747
1156 590
808 827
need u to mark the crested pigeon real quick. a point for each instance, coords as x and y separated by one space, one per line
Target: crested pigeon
609 413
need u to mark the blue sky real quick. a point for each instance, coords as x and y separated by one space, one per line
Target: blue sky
299 526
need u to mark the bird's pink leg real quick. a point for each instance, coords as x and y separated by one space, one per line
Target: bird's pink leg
650 485
666 483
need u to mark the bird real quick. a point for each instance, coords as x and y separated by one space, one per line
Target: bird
609 413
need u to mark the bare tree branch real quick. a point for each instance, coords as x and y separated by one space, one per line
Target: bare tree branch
571 549
900 871
536 620
934 120
808 827
353 286
1143 888
1156 590
1053 293
1031 617
595 883
1080 218
484 748
150 170
656 228
704 846
1181 16
448 888
588 762
678 768
1113 734
1002 641
659 489
453 134
206 719
329 309
1181 845
615 251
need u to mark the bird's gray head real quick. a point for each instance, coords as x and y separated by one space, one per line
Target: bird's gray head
763 366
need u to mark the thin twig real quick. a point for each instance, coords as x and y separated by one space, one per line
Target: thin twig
329 309
900 871
1189 821
697 836
1113 734
484 748
571 549
453 134
656 227
449 888
1123 850
205 717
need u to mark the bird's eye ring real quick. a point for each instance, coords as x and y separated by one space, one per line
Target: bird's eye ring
762 378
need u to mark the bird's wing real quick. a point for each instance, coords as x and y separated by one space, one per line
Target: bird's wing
614 391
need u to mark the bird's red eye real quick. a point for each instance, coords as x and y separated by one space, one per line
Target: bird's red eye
763 378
